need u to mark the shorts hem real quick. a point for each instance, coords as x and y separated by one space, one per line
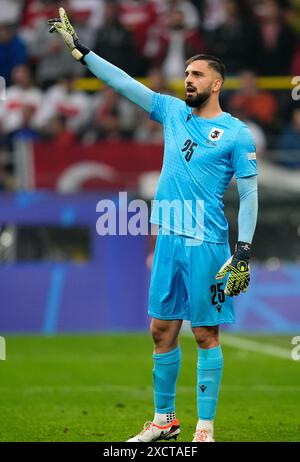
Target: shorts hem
183 317
168 318
221 321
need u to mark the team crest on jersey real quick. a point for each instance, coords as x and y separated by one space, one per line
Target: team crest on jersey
215 134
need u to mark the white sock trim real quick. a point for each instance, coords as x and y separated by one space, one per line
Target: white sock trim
205 425
164 419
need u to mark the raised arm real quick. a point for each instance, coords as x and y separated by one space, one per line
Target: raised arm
105 71
120 81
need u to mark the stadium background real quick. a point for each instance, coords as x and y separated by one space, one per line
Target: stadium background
66 142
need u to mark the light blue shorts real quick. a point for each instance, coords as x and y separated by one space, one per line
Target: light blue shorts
183 284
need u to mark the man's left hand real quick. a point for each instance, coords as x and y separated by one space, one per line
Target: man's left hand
238 267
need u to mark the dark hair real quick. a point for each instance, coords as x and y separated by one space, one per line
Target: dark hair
213 62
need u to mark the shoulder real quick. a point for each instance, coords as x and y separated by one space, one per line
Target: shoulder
234 122
238 127
169 100
164 106
241 134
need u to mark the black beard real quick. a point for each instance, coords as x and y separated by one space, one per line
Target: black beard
198 100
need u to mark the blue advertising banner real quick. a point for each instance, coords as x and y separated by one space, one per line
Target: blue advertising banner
109 292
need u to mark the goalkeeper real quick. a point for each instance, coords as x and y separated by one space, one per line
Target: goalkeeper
193 275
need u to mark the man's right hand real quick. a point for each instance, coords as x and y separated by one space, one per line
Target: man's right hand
63 27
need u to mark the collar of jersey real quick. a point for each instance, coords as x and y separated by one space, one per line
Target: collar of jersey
213 119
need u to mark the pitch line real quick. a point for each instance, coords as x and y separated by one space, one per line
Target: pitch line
257 347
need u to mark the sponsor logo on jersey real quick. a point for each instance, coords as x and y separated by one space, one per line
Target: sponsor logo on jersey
251 155
215 134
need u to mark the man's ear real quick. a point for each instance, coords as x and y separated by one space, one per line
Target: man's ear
217 85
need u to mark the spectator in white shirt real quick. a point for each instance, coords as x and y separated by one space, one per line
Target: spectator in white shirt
65 101
22 104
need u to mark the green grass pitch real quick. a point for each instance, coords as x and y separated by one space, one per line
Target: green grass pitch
99 388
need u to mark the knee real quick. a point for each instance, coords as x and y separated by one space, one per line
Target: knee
159 332
206 337
162 337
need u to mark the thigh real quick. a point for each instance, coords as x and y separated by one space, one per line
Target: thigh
167 295
209 306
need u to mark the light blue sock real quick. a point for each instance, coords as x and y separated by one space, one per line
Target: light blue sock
165 374
209 368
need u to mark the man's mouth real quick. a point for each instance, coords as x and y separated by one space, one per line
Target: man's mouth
190 91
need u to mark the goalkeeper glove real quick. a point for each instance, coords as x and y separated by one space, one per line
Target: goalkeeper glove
238 267
66 30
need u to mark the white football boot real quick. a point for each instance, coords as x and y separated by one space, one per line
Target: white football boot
153 432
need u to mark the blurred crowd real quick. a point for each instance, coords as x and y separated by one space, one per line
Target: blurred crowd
146 38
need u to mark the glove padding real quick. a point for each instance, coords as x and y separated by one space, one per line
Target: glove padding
238 267
63 26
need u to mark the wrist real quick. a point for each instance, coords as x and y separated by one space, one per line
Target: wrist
243 250
81 48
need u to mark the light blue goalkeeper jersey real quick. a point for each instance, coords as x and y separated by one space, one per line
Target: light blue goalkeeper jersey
200 158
